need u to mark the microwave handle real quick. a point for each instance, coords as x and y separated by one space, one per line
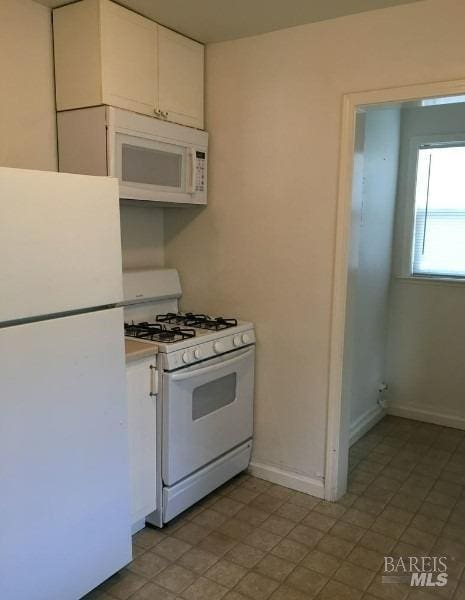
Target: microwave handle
191 180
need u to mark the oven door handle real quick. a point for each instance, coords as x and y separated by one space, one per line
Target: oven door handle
181 375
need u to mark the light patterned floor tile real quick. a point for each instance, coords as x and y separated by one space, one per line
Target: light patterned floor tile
253 540
354 576
217 543
335 590
147 538
278 525
197 560
335 546
226 573
245 555
366 558
205 589
285 592
253 516
191 533
307 581
171 548
228 507
330 509
274 567
306 535
256 586
348 532
292 512
148 564
209 518
152 591
321 562
235 529
262 539
175 578
124 584
319 521
290 550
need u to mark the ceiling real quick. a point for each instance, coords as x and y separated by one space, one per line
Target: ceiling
219 20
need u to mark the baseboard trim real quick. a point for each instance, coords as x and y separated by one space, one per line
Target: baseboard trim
365 422
409 411
289 479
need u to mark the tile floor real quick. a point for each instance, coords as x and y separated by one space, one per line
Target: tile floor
251 540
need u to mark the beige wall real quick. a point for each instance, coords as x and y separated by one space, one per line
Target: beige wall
27 102
425 352
142 236
264 247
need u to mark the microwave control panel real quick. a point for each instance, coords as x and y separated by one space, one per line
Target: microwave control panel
200 174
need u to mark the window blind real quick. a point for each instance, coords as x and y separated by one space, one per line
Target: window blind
439 232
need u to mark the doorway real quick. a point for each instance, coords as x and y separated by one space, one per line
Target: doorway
367 118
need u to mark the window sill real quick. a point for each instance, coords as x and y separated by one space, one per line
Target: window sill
431 280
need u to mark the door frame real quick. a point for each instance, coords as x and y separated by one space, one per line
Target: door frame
337 433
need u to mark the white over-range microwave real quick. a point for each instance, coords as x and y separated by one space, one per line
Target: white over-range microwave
154 160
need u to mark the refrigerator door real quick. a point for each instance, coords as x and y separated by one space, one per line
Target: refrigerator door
60 243
64 478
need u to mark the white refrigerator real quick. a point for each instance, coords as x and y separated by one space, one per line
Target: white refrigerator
64 479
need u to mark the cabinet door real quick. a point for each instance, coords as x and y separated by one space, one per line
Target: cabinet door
142 438
180 78
76 44
129 59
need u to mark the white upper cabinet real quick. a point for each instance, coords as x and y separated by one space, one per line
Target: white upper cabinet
76 40
106 54
180 83
129 59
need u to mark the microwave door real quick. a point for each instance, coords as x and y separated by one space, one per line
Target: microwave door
152 170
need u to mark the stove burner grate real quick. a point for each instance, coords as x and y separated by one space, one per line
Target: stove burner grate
199 321
171 318
157 332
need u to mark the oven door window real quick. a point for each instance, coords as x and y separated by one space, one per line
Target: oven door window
212 396
148 163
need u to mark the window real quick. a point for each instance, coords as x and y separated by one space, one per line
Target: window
439 231
443 100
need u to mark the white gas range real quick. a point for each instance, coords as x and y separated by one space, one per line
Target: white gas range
205 381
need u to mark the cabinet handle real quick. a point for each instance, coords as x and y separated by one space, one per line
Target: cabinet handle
153 381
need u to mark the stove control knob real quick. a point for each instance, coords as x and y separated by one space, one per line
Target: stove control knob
237 340
186 357
218 347
245 338
198 353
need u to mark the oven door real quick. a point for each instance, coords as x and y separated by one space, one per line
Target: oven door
207 411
